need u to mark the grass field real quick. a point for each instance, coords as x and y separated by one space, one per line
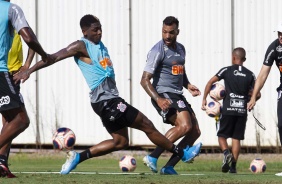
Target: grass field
44 166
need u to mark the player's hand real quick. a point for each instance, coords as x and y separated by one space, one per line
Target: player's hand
251 104
163 103
193 90
204 103
21 76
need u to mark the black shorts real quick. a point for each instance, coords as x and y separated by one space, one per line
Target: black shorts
232 127
10 96
179 103
115 113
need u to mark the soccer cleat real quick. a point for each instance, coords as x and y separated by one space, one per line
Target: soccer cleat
151 162
233 170
226 163
278 174
5 172
169 170
191 152
71 162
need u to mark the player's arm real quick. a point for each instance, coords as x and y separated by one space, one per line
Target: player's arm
18 21
263 74
77 48
163 103
28 61
32 42
207 90
191 88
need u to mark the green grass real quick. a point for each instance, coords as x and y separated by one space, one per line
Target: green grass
205 169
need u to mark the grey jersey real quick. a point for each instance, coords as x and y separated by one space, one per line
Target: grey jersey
17 18
167 66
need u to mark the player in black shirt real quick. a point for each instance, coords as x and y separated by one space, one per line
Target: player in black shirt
239 82
273 53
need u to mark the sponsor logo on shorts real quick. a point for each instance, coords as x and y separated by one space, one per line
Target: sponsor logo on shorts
181 104
122 107
4 100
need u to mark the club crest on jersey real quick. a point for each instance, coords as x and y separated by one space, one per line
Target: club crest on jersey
4 100
181 104
121 107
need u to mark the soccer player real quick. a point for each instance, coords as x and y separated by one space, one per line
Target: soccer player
273 53
11 102
239 82
166 66
93 59
15 61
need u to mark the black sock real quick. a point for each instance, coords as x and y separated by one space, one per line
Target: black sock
280 134
233 164
3 160
157 152
85 155
178 151
174 159
226 152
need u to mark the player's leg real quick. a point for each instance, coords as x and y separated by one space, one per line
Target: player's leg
181 122
236 147
118 142
279 115
238 135
178 115
5 151
188 139
116 116
16 122
144 124
225 131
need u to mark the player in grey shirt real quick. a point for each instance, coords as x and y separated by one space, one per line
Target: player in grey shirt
166 66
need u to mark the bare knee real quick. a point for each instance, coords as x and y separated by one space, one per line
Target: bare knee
121 144
23 122
184 128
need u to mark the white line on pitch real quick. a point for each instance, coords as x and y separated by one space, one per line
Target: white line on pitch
123 173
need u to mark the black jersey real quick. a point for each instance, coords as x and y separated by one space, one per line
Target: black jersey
238 80
274 53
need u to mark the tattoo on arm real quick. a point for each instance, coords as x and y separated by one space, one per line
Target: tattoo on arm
147 85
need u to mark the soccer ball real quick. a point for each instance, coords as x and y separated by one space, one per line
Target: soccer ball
258 166
127 163
64 139
217 92
213 108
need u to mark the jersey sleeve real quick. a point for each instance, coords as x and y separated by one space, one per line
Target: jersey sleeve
220 74
154 58
17 18
269 55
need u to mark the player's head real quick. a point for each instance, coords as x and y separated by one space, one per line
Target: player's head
170 30
279 32
238 55
91 28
